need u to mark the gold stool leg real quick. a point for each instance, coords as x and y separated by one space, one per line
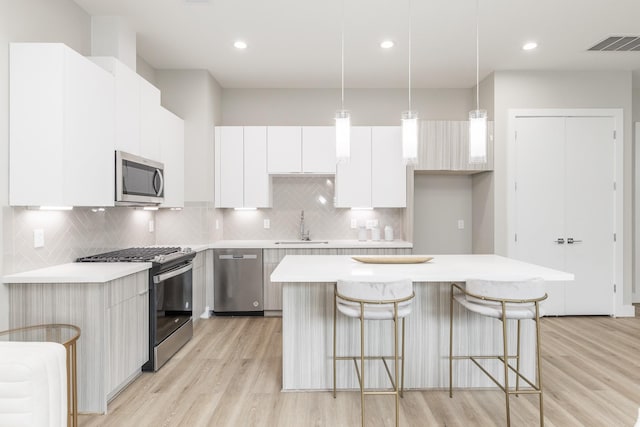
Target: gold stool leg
335 307
395 354
538 366
362 361
518 360
402 389
506 363
451 343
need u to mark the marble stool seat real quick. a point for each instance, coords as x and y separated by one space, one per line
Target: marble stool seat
503 300
373 300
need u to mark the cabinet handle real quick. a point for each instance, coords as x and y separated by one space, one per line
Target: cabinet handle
559 241
571 241
146 291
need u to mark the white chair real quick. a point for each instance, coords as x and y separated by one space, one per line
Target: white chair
33 384
503 300
383 300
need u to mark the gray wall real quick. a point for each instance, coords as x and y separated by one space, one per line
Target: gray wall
561 89
195 97
440 201
30 21
375 107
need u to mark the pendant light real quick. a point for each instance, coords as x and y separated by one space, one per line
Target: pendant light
410 119
478 117
343 118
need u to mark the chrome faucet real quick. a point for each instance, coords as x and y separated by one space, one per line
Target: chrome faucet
304 235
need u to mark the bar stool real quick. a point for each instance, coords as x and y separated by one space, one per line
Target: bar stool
383 300
502 300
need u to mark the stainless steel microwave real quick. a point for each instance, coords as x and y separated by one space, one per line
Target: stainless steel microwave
139 181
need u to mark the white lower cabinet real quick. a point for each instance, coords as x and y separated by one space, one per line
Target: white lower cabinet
242 180
199 291
375 175
113 318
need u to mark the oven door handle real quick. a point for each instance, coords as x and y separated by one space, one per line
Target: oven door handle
172 273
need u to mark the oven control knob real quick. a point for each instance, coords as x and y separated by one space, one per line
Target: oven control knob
187 250
159 258
256 303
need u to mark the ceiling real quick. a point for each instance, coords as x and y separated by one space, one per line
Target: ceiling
296 43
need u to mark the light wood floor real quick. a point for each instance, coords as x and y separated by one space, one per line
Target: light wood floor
229 375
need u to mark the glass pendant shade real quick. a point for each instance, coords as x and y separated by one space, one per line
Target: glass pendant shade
343 136
478 136
410 137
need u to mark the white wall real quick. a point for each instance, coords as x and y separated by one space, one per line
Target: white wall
379 107
32 21
145 70
440 201
561 89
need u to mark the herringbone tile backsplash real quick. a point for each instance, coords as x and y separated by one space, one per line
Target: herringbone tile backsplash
294 194
80 232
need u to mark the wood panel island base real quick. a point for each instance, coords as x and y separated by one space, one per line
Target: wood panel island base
307 322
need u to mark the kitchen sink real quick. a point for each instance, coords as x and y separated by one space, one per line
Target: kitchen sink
301 242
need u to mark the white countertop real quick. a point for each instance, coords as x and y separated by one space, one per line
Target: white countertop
78 272
442 268
314 244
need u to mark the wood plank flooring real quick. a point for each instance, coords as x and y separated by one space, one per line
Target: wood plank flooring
229 374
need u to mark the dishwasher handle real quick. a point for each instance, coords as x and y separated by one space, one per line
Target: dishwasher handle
239 257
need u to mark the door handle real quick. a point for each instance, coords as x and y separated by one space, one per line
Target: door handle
559 241
571 241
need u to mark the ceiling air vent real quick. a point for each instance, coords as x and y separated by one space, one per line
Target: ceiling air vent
618 44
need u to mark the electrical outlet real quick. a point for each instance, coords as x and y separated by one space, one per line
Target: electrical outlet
217 225
354 223
267 223
461 224
152 226
372 223
38 238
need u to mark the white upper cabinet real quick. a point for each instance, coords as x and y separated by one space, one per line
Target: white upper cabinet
127 103
257 191
284 149
353 179
375 175
241 167
389 171
149 117
172 156
319 149
229 167
62 128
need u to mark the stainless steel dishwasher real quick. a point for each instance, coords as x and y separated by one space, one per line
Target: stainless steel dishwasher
237 288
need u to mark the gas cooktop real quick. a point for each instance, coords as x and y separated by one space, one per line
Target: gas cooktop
142 254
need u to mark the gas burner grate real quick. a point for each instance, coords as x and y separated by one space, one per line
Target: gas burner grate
141 254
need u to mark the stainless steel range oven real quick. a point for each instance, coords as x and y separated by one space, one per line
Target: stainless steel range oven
170 297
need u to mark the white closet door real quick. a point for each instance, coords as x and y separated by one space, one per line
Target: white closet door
589 214
564 190
540 198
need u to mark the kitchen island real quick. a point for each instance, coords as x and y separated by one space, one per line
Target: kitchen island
307 321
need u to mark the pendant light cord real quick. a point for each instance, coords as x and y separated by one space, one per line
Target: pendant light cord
409 55
477 55
342 56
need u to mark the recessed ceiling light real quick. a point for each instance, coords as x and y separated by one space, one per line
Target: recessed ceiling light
387 44
240 45
530 46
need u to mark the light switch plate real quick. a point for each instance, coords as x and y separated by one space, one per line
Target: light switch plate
267 223
152 226
354 223
38 238
217 225
461 224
